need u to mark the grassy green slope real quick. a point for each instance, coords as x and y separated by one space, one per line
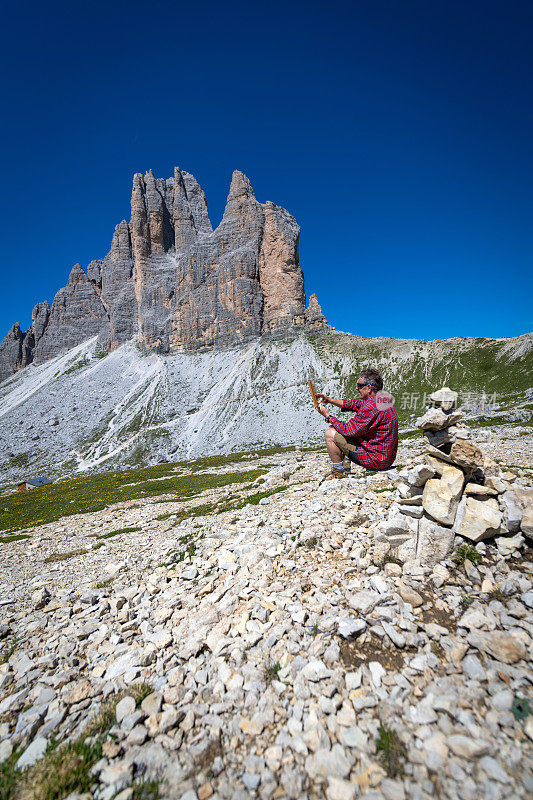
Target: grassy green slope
471 366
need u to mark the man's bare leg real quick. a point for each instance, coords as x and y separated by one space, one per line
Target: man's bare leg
334 451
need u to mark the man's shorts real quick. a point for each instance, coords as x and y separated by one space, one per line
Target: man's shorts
346 447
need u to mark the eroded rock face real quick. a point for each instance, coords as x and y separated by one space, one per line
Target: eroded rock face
77 313
198 288
173 282
11 352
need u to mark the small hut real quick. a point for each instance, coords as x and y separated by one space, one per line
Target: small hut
33 483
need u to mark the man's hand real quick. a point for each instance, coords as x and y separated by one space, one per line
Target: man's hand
323 398
323 410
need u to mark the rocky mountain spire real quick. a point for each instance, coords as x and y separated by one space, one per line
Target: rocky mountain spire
77 313
282 280
314 317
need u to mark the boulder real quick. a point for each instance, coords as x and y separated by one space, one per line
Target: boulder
466 455
441 495
433 420
417 476
444 398
524 499
477 519
434 542
512 512
400 532
480 491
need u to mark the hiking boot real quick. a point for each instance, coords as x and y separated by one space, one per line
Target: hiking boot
347 465
337 474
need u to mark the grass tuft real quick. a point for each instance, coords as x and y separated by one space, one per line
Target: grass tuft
9 776
64 769
140 691
7 652
118 532
146 790
271 672
63 556
391 751
310 543
103 584
14 538
465 552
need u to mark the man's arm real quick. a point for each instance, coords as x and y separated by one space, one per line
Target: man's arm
323 398
344 405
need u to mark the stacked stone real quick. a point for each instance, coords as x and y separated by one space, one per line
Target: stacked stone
454 491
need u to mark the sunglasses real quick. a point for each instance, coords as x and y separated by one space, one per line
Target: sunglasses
360 385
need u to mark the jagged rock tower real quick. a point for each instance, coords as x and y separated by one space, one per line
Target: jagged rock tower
173 282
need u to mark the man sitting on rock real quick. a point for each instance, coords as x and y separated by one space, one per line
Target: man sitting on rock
371 437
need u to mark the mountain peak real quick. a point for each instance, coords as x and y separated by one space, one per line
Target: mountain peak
173 283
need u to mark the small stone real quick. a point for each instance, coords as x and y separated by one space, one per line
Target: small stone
494 770
124 708
250 780
324 763
273 756
409 595
152 703
379 584
40 598
138 735
349 626
118 774
339 789
205 791
33 753
376 673
6 749
354 737
500 645
392 790
467 746
398 639
81 691
315 670
392 570
473 668
110 749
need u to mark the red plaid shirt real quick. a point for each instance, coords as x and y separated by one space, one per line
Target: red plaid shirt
373 431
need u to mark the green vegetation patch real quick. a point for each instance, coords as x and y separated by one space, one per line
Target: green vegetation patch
94 492
64 556
391 752
16 538
271 671
7 651
9 775
465 552
66 767
223 506
118 532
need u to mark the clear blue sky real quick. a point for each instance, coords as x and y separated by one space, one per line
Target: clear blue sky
399 134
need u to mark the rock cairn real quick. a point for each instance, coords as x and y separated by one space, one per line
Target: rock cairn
453 491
